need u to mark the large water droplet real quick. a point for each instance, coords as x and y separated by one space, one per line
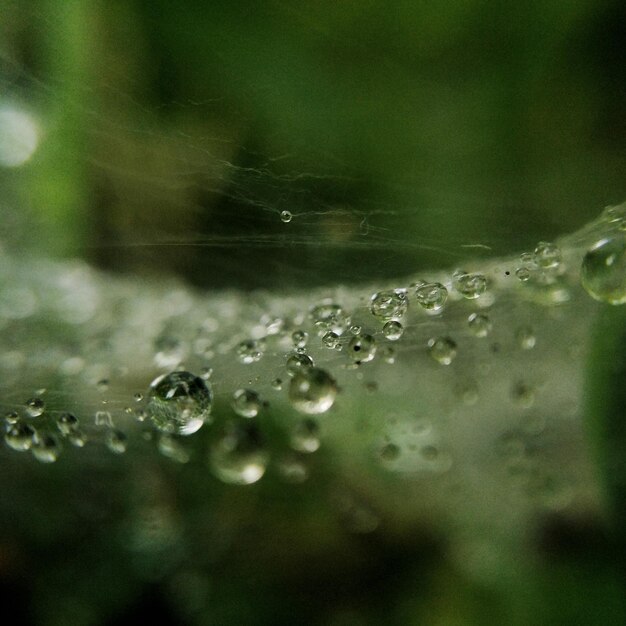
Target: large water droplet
116 441
431 296
387 305
393 330
298 362
180 403
330 316
67 422
19 436
35 407
470 286
312 391
547 255
239 456
603 272
46 448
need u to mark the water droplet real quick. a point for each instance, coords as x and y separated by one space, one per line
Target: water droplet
329 316
603 273
523 274
523 395
470 286
138 397
239 456
102 385
386 305
547 255
389 354
331 340
312 391
305 436
169 446
297 363
67 422
355 329
250 351
429 453
431 296
277 384
116 441
442 349
300 338
11 417
528 259
169 352
479 324
393 330
526 338
103 419
246 403
292 469
35 407
45 448
362 348
19 436
389 452
286 216
180 403
77 438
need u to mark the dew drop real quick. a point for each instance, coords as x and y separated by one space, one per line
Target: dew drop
169 446
547 255
138 397
389 452
246 402
479 324
277 384
525 337
603 272
522 274
77 438
67 422
116 441
305 436
299 338
470 286
297 363
239 456
330 316
11 417
387 305
312 391
362 348
393 330
286 216
331 340
442 349
431 296
45 448
180 403
250 351
35 407
19 436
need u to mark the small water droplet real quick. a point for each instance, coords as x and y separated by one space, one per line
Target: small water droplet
523 274
19 436
442 349
393 330
362 348
390 304
470 286
479 324
298 362
431 296
300 338
389 452
286 216
180 403
102 385
331 340
169 352
250 351
525 337
35 407
11 417
277 384
138 397
312 391
547 255
330 316
239 456
170 446
45 448
389 355
523 395
67 422
116 441
305 436
603 273
292 469
246 402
